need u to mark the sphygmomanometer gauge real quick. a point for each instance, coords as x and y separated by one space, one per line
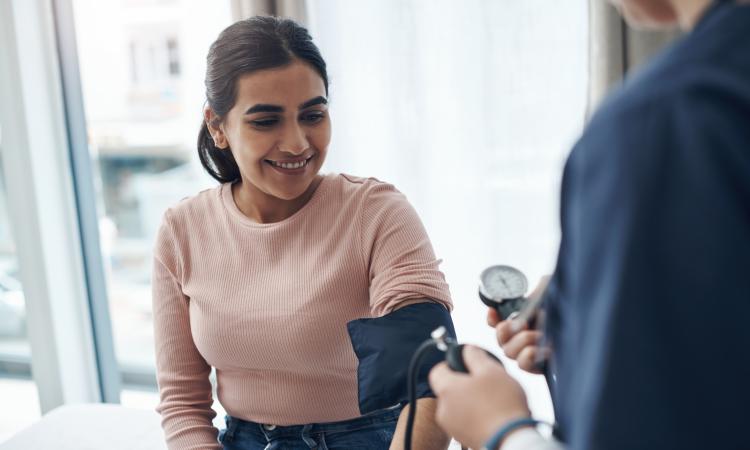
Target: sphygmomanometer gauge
503 288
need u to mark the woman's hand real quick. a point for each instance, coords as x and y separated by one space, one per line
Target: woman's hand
472 407
518 340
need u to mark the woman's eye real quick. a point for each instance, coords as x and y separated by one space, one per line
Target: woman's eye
313 117
264 123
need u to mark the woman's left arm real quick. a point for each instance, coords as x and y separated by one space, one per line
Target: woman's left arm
409 298
427 433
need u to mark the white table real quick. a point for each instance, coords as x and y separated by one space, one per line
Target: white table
91 427
96 427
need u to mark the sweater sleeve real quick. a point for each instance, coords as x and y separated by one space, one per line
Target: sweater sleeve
401 263
182 373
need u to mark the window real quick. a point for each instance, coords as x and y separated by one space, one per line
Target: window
16 386
142 65
174 57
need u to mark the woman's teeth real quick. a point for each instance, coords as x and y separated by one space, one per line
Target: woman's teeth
295 165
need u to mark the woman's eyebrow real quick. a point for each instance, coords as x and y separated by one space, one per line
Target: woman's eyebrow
260 107
320 100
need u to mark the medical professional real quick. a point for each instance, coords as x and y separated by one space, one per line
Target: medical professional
648 311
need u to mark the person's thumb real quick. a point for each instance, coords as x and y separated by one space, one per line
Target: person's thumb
476 358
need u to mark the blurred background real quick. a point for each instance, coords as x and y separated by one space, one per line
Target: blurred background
468 107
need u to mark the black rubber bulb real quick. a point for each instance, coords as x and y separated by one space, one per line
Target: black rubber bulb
454 358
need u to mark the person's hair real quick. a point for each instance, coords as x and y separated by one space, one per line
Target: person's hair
244 47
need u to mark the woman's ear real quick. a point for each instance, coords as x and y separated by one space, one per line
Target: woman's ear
213 122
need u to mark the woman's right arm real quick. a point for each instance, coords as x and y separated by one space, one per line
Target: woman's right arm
182 373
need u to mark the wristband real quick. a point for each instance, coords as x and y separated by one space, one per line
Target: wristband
494 442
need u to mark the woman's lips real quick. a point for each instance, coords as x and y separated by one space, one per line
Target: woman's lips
290 166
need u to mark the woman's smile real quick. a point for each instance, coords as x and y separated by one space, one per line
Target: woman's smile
294 166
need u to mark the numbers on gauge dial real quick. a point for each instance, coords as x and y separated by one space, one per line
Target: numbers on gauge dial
503 282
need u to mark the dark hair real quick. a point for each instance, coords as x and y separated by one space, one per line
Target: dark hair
244 47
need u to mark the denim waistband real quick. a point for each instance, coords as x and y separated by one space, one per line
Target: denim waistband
272 432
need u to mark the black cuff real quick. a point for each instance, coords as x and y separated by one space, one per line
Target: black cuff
385 346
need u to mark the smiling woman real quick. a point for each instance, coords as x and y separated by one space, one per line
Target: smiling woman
281 278
278 131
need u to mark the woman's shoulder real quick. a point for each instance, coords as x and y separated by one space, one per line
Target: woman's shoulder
370 198
362 188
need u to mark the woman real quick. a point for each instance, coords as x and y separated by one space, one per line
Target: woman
283 279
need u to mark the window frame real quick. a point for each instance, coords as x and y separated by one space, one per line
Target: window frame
52 206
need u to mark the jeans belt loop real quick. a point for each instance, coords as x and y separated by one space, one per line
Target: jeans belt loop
232 428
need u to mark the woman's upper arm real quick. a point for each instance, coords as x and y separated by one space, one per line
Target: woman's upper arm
182 373
399 257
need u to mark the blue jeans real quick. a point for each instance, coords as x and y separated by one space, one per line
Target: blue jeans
371 432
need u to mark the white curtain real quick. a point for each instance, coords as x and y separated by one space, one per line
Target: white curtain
469 108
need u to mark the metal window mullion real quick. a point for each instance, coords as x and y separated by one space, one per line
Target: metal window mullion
85 198
42 203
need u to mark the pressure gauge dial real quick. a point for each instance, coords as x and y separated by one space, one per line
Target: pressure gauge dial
503 288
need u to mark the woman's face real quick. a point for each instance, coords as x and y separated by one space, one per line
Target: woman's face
279 129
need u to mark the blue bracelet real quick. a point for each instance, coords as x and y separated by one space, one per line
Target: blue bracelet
494 442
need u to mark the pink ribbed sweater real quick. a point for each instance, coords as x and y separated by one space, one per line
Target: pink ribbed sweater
267 304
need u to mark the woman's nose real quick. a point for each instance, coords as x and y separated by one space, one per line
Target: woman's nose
294 140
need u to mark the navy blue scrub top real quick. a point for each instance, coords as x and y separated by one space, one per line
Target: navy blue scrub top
649 308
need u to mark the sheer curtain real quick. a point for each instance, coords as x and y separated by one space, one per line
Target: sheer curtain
469 108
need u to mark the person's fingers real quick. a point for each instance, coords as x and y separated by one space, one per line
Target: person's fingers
526 338
440 376
507 329
476 358
493 318
528 359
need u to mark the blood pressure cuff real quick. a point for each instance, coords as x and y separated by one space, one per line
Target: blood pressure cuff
385 346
